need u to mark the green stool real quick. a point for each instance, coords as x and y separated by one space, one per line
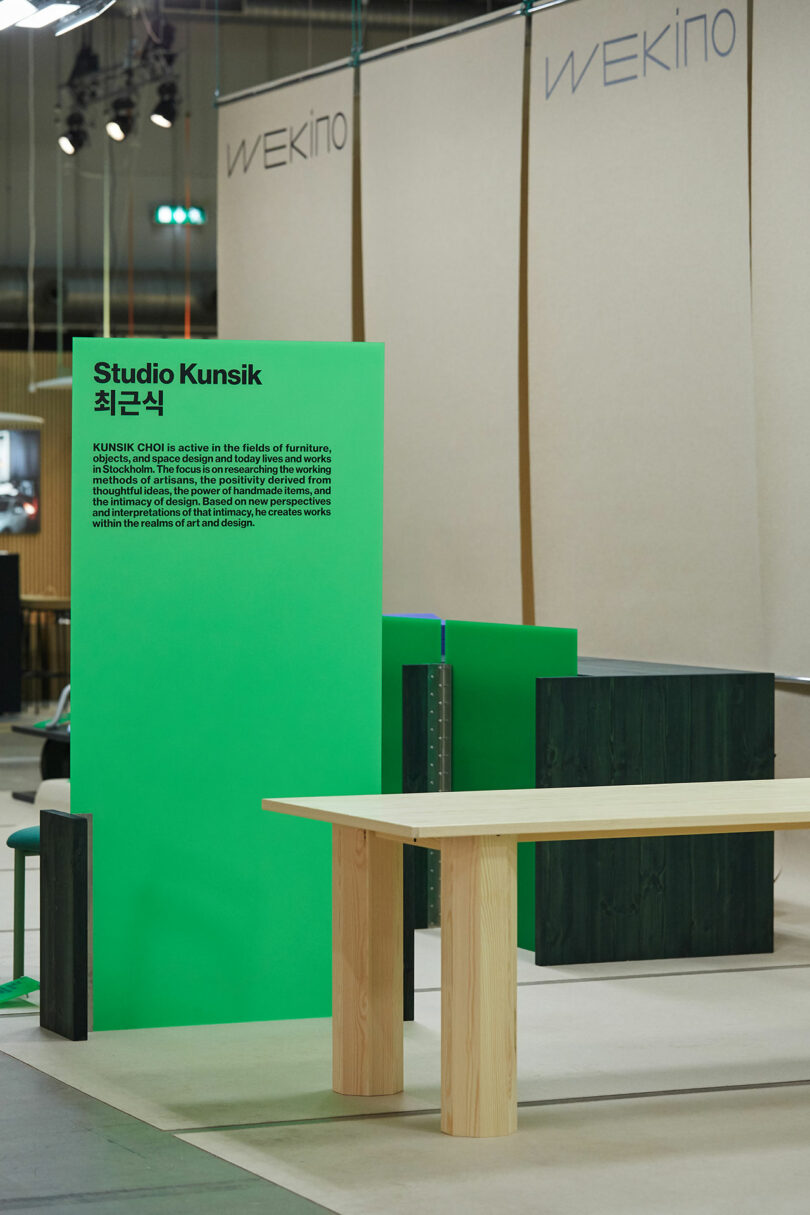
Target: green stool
25 842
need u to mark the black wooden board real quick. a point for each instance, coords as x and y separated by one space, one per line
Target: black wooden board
10 634
425 686
408 930
64 919
415 774
414 780
680 896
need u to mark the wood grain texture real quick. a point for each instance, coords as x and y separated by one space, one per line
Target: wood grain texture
569 813
45 555
64 908
406 641
684 896
479 987
11 635
426 764
366 963
418 745
528 604
408 930
416 775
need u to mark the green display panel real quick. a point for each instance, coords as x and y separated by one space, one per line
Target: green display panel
226 647
405 641
495 668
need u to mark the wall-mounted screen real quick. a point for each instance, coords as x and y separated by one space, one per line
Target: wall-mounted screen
19 481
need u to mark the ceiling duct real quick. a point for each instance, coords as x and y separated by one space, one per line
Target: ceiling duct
159 300
380 18
424 18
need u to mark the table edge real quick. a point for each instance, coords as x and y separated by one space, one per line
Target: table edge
706 824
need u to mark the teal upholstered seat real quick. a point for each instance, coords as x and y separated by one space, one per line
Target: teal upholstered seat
25 842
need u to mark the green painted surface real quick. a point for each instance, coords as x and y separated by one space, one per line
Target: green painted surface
215 667
405 641
495 669
664 897
11 992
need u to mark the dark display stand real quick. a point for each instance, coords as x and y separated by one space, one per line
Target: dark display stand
679 896
426 744
64 923
54 758
10 634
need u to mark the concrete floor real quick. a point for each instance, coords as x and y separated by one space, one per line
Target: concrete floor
661 1088
19 753
65 1153
61 1151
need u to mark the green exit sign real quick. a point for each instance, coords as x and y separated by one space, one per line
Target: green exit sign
174 213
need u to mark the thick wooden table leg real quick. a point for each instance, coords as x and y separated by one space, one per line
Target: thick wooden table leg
479 986
366 963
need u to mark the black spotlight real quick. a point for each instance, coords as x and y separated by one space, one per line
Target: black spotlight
75 137
165 111
123 119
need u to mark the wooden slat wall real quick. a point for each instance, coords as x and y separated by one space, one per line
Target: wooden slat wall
44 557
675 896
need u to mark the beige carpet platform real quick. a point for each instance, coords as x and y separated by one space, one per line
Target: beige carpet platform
656 1088
714 1154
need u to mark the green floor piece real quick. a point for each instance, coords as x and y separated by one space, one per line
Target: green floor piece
495 668
17 988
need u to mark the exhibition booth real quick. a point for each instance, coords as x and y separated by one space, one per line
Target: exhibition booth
437 635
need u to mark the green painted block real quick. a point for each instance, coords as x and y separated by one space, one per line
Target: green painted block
216 665
495 669
405 642
16 989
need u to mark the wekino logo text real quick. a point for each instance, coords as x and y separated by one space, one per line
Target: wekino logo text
682 43
313 138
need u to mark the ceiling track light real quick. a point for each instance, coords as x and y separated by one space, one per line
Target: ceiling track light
83 14
165 112
46 14
12 11
123 119
75 137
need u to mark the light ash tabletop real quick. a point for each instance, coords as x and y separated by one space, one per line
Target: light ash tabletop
580 813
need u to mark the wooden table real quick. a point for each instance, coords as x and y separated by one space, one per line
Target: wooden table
478 834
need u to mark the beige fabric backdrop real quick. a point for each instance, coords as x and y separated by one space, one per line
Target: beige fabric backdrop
284 224
781 278
440 143
643 434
